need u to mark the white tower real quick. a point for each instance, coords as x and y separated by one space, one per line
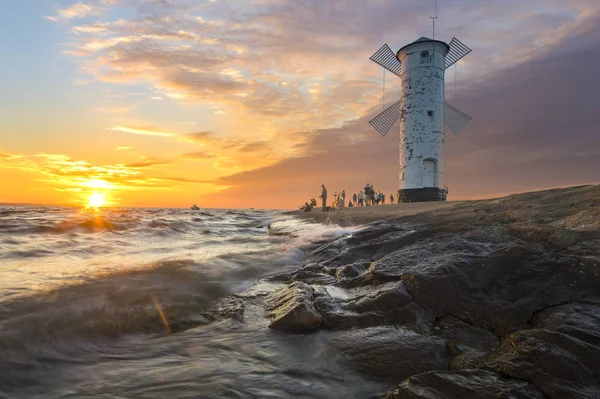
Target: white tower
422 112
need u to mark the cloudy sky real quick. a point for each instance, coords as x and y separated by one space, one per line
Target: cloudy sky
256 103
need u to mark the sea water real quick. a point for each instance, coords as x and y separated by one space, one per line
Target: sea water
111 303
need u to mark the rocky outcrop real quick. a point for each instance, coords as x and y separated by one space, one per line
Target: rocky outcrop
390 352
291 308
495 298
468 384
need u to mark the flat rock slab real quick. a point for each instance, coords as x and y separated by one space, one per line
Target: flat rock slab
291 308
467 384
390 352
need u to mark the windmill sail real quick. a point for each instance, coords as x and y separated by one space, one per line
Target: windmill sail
455 119
387 59
457 51
386 119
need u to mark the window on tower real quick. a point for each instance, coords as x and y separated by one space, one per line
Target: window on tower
429 113
425 59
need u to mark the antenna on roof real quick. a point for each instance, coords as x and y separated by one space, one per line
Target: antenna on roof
434 18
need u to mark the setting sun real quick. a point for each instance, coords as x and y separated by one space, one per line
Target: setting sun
96 200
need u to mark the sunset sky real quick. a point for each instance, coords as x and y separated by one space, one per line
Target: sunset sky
256 103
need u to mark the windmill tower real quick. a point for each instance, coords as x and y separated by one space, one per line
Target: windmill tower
422 111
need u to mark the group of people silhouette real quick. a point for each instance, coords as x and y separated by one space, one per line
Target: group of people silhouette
366 197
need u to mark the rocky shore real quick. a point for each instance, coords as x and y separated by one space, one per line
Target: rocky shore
495 298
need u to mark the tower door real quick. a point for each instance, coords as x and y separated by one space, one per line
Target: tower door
430 173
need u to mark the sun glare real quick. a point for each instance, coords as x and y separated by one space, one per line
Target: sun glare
96 200
96 183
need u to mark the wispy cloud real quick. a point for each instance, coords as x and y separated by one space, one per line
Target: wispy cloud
144 130
147 162
76 10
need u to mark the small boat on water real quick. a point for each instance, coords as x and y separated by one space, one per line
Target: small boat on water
195 207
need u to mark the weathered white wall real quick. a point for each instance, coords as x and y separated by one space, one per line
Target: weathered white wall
421 136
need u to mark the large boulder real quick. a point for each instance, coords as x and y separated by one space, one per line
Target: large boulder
467 384
390 352
291 308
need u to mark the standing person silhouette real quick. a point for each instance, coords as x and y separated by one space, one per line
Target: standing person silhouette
323 197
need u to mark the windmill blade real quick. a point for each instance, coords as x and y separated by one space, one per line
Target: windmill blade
457 51
455 119
386 119
387 59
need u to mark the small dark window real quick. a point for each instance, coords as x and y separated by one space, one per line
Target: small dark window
429 113
425 59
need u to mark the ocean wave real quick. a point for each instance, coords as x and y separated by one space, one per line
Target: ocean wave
27 253
109 306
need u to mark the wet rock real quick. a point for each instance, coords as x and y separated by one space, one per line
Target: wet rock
560 365
225 308
337 317
291 308
311 273
470 345
368 246
384 297
334 317
390 352
577 319
467 384
350 271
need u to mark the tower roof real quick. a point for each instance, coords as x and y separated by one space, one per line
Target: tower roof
423 39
